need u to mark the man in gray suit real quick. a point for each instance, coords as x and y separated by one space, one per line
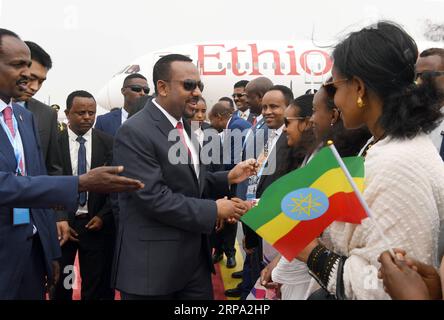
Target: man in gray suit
162 248
45 116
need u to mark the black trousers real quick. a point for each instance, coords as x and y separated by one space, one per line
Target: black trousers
32 285
223 241
198 288
91 247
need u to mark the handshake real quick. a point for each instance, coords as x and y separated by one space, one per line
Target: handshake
231 210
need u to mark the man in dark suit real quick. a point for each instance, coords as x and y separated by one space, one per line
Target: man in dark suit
45 116
162 249
274 103
80 145
254 142
134 86
241 101
28 238
232 129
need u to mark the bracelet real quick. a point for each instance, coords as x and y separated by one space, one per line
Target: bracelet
321 262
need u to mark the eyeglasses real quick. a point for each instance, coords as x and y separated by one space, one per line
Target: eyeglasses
287 120
138 89
238 95
330 87
428 74
189 84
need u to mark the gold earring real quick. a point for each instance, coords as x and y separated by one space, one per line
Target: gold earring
360 103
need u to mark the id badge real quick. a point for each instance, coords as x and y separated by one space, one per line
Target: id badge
251 192
20 216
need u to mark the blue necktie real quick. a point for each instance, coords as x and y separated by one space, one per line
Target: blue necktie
441 151
81 166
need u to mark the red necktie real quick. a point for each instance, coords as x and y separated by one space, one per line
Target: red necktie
254 121
179 127
7 115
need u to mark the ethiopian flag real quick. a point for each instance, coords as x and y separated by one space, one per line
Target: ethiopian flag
296 208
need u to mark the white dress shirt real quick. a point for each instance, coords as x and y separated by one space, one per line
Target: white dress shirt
173 121
124 115
74 155
244 115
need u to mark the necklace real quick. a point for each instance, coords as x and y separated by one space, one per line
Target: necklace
371 144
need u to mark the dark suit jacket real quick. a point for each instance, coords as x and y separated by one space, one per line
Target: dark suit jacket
240 125
35 191
46 118
102 148
163 229
252 240
110 122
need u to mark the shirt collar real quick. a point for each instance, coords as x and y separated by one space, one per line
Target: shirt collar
279 131
22 103
3 105
169 117
124 115
73 137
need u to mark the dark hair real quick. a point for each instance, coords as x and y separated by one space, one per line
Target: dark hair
134 76
432 52
78 93
304 104
228 100
286 92
348 142
6 32
241 84
295 155
39 55
202 99
162 68
383 56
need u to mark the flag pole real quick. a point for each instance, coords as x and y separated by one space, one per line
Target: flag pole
359 195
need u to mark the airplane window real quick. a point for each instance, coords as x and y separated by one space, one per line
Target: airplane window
265 65
229 65
219 65
273 66
247 65
283 65
238 65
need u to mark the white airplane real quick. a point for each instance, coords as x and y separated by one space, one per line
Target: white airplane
299 65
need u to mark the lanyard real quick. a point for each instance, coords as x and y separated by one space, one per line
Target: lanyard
15 141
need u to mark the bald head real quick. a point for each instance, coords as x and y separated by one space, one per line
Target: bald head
221 109
255 90
219 116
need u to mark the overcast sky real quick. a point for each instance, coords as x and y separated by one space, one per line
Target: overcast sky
90 41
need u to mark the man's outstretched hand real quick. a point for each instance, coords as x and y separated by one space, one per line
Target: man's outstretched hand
107 180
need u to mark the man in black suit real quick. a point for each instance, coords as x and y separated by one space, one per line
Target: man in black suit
274 103
45 116
83 148
162 247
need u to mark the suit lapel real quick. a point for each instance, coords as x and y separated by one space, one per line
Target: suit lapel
27 138
97 151
66 154
117 120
